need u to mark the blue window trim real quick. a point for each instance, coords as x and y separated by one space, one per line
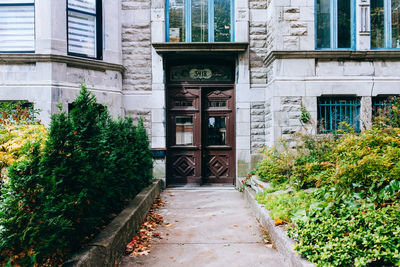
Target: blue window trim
387 6
34 27
188 21
334 26
99 30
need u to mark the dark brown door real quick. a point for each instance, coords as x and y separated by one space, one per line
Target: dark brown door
200 135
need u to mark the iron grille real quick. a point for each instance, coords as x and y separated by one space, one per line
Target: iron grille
334 110
382 105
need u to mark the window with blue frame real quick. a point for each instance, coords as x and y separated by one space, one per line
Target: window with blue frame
85 28
199 21
332 111
335 24
17 26
385 26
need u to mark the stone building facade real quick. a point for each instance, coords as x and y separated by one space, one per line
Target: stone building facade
279 62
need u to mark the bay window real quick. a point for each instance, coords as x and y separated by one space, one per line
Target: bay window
17 26
199 21
335 24
385 26
85 28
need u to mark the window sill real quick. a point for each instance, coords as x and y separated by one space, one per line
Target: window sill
86 63
334 55
233 47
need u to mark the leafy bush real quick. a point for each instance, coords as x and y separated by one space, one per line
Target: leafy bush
60 196
351 218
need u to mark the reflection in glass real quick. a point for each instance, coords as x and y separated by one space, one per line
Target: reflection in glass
323 24
395 24
199 20
222 15
216 104
216 130
82 34
183 103
344 24
176 21
184 130
377 24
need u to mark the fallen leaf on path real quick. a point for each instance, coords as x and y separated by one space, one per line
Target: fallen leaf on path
248 226
169 225
236 225
278 221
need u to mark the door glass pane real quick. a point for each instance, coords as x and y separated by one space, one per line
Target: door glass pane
216 104
199 20
183 103
216 130
17 28
395 24
344 24
377 24
323 24
176 21
81 34
222 14
184 130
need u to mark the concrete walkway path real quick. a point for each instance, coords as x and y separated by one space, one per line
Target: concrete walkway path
207 226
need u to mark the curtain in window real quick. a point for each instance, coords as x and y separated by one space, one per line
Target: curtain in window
17 26
82 27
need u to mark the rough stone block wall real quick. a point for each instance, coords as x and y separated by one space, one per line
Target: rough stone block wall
257 124
295 25
136 49
258 42
268 123
145 114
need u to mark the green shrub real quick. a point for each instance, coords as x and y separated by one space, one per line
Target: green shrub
59 197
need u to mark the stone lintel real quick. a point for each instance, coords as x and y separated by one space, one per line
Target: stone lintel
333 55
235 47
87 63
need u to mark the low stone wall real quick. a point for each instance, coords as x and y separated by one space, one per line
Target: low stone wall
282 242
107 248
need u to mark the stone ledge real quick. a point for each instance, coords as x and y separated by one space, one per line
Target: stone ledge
107 248
235 47
87 63
282 242
333 55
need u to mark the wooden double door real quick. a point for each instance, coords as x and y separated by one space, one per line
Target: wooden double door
200 134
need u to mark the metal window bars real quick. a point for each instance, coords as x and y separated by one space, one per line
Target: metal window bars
332 111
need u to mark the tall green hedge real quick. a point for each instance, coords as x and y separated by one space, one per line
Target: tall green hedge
60 197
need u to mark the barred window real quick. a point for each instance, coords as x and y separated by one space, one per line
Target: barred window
85 28
17 26
382 105
332 111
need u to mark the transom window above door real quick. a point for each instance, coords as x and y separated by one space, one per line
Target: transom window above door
199 21
335 24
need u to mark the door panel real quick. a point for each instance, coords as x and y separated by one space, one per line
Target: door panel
200 135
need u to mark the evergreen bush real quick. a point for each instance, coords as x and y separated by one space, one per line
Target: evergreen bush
60 196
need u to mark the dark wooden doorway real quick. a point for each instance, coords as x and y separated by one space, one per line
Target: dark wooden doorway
200 134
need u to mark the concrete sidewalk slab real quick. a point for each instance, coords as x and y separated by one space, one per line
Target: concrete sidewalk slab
207 227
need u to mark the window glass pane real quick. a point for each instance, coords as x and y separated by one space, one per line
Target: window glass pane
199 20
176 21
395 24
81 34
222 20
184 130
377 24
344 24
17 28
216 130
83 5
16 1
183 103
323 24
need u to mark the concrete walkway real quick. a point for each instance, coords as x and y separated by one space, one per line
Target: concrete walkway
207 226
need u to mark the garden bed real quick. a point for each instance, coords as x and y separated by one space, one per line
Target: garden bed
109 245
